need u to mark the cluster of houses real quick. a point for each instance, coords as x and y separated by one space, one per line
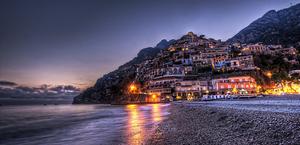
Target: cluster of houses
185 69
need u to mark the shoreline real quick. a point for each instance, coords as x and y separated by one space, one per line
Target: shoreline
202 124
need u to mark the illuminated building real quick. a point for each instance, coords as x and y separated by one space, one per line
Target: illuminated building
242 85
191 89
237 63
255 48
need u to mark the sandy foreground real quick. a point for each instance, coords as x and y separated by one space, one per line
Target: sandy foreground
257 121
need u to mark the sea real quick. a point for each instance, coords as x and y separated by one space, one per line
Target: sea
67 124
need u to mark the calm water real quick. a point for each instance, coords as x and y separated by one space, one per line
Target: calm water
79 124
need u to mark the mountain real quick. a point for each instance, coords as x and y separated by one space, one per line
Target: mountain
274 27
108 89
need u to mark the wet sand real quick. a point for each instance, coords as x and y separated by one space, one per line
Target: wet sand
231 123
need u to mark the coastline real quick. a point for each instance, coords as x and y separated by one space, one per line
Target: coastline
192 123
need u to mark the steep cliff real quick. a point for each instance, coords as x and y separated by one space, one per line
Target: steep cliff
109 88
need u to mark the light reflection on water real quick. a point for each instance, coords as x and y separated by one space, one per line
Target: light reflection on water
135 128
156 113
139 118
79 124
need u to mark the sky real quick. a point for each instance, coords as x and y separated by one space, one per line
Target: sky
75 42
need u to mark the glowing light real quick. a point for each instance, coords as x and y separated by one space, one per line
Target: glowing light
178 97
269 74
285 87
132 88
154 96
258 88
234 90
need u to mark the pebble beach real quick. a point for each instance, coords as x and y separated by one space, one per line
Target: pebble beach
208 124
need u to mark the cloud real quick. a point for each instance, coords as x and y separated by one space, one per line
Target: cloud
25 89
7 83
13 90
